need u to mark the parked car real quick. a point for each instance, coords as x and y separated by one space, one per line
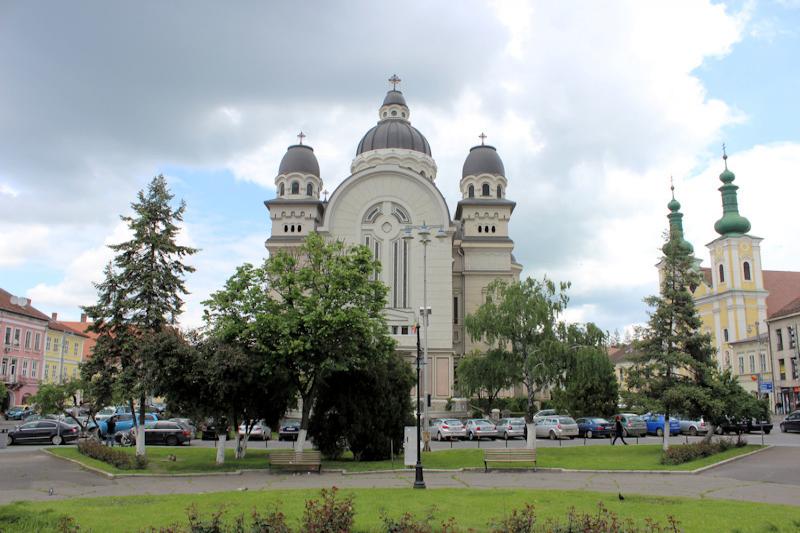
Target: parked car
43 431
655 425
557 427
18 412
163 432
511 428
289 430
447 428
538 416
632 424
755 426
478 428
591 427
208 430
108 412
260 431
692 427
187 423
33 417
124 422
730 425
791 422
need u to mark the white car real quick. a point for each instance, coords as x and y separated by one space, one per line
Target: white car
480 427
447 428
259 431
557 427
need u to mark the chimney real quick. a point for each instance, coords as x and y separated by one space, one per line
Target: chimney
83 317
54 316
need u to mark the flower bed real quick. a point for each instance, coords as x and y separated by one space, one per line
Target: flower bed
118 458
689 452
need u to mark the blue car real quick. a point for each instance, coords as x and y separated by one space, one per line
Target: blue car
124 423
591 427
655 425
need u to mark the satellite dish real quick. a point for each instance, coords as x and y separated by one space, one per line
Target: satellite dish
14 300
23 301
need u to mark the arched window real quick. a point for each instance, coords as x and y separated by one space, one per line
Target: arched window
493 229
480 229
309 190
485 190
295 187
486 229
292 228
286 228
721 274
299 228
499 191
746 268
471 191
283 189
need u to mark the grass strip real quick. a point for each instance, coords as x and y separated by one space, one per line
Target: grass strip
472 508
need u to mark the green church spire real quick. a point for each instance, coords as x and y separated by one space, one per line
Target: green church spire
732 223
676 226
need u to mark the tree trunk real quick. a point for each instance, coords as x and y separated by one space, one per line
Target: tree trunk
222 439
140 432
301 437
711 429
531 394
665 443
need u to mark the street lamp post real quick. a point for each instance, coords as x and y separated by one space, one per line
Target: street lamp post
419 482
424 233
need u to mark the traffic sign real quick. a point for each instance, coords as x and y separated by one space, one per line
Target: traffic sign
766 386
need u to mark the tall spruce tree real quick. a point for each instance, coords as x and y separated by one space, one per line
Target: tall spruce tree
675 368
141 297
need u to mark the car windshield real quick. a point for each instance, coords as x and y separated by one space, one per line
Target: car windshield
453 422
483 423
566 420
600 421
516 421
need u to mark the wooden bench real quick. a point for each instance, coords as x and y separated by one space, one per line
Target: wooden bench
310 459
505 455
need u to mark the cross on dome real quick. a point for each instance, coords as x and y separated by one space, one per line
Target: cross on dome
394 80
672 187
724 156
301 136
482 137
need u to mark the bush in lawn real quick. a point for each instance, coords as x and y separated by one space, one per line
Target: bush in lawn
330 515
520 521
113 456
689 452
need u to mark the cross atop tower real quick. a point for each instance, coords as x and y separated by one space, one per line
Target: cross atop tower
672 187
301 136
482 137
394 80
724 156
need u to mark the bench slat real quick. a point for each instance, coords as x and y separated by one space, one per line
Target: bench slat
293 458
509 456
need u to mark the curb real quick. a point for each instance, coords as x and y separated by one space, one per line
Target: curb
696 471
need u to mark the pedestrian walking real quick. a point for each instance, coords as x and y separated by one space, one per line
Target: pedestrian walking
111 427
618 431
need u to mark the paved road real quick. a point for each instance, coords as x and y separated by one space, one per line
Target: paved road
28 475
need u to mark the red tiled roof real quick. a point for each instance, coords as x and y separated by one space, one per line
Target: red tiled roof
621 353
32 312
783 287
791 308
61 326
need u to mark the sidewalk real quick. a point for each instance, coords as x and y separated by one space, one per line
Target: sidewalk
30 476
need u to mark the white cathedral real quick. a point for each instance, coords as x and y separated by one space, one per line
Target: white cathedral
391 188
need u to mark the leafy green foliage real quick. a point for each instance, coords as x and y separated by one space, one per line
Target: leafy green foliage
311 313
3 397
485 375
329 515
52 398
113 456
522 319
591 387
364 409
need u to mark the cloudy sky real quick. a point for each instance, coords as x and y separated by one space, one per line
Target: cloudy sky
592 107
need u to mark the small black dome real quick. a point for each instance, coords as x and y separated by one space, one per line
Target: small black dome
395 97
483 159
299 158
392 133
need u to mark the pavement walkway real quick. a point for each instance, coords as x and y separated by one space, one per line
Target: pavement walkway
30 476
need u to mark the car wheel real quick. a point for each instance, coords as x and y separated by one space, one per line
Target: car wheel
10 440
56 440
783 430
439 436
659 432
766 431
470 436
553 435
693 431
172 440
588 434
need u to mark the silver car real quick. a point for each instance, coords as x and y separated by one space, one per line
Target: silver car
511 428
557 427
632 424
478 428
447 428
693 427
538 416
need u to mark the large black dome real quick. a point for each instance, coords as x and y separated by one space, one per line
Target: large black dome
483 159
299 158
394 133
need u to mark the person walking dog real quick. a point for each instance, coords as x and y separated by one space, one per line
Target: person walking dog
618 431
111 426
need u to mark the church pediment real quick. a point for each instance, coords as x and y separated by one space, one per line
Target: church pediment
399 316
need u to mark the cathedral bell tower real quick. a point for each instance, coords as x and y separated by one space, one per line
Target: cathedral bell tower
297 210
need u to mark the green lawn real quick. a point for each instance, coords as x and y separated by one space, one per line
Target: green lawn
642 457
472 508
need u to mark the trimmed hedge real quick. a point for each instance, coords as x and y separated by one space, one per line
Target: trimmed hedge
113 456
689 452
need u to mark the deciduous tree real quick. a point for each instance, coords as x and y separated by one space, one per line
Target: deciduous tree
485 375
